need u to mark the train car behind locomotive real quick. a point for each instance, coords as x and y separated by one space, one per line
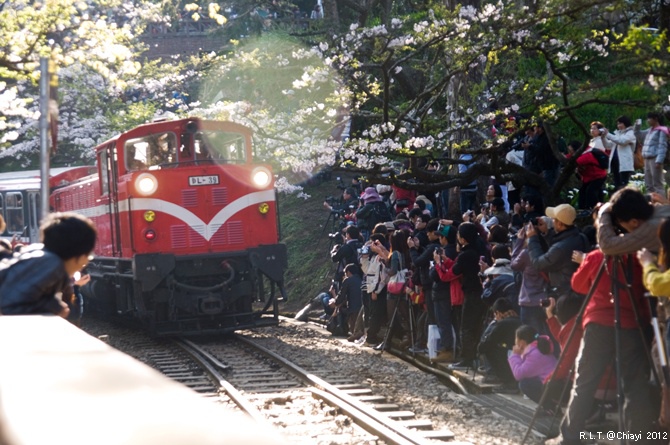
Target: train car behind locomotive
20 200
188 228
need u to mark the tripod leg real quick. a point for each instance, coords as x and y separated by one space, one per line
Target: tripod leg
411 325
390 325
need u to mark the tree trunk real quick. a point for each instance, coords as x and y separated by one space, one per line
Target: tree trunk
331 15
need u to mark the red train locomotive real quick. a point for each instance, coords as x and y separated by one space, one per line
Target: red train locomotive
188 228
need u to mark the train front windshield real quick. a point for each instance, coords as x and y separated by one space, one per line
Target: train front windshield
161 149
220 146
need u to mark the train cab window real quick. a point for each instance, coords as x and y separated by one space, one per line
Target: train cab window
14 212
220 146
2 209
151 151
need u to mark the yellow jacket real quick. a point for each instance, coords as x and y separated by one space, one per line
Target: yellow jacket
657 282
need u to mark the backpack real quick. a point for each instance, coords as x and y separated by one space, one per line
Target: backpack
376 275
602 158
379 214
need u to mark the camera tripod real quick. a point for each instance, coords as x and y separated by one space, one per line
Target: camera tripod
618 285
332 222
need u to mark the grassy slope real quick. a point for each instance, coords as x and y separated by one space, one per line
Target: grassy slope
309 266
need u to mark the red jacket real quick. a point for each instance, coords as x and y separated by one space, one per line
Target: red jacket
589 168
600 309
569 351
444 272
561 333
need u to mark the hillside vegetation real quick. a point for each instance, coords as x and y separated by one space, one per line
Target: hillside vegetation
302 228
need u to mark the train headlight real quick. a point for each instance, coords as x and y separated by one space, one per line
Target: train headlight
264 208
261 177
146 184
149 235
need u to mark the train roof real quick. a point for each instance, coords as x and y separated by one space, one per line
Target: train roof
26 179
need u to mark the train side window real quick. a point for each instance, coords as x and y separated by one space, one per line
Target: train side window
14 212
37 211
104 172
2 208
32 207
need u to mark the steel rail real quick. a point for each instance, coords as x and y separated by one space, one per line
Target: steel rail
203 358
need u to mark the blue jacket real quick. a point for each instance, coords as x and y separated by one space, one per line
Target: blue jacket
30 281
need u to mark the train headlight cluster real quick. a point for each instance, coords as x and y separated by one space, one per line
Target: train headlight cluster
264 208
261 177
146 184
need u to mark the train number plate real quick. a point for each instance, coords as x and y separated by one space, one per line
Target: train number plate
203 180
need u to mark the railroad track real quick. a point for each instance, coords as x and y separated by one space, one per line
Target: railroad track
258 380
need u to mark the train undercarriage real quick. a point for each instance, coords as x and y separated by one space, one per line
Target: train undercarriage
190 295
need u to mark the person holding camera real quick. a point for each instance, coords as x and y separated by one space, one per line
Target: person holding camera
346 253
348 299
592 166
372 212
443 281
557 261
347 205
533 283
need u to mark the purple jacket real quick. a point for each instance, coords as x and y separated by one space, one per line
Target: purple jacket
532 363
533 285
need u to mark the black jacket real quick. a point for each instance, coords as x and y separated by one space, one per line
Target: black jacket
467 265
499 334
347 253
30 280
371 214
442 290
557 261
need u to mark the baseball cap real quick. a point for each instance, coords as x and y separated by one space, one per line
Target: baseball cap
565 213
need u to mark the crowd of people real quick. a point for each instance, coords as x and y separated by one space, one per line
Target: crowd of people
523 293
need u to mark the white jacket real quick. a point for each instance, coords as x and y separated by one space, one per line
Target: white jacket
625 145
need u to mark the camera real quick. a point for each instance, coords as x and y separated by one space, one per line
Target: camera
439 251
340 184
337 237
545 302
601 131
365 250
533 220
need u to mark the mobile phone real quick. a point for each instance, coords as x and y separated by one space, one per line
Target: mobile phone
482 258
638 121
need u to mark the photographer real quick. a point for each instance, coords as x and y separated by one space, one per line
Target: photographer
372 212
592 167
346 253
557 261
348 298
347 205
533 285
